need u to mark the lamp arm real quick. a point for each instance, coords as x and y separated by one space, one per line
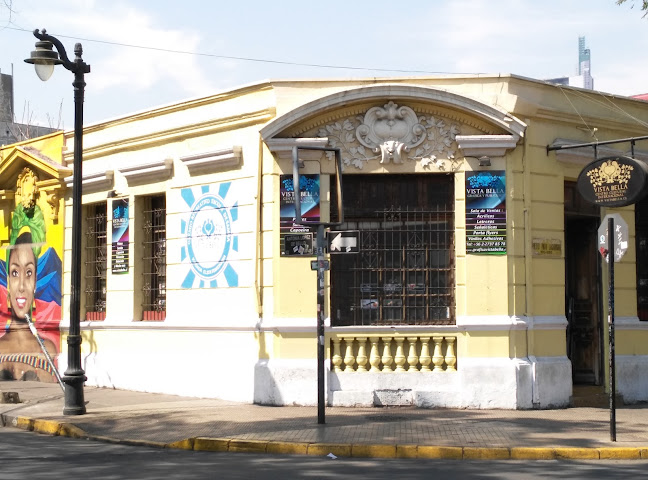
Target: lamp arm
76 66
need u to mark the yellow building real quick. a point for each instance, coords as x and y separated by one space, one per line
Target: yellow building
477 282
32 192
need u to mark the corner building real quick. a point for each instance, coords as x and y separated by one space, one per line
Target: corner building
477 283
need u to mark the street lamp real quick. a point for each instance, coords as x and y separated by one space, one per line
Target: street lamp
44 60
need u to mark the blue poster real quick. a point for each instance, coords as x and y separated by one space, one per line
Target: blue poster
486 212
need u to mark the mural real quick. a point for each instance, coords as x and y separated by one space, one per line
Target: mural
208 235
30 285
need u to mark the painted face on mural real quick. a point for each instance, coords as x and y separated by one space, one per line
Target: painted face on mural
21 278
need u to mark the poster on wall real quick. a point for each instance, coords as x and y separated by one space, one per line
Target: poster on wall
486 212
30 284
210 236
298 239
120 236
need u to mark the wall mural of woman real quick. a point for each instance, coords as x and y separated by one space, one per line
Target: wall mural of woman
30 283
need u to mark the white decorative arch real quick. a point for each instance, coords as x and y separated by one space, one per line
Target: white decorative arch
488 113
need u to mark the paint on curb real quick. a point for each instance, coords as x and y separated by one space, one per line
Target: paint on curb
250 446
406 451
486 453
619 453
448 453
186 444
533 453
287 448
46 426
373 451
202 444
573 453
323 449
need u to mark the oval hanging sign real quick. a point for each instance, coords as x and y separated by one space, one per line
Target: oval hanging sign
613 181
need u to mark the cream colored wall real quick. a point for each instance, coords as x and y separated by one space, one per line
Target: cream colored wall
517 284
171 133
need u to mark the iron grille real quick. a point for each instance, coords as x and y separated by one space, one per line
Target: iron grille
154 259
405 271
96 262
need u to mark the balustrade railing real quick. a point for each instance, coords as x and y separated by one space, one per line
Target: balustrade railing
393 353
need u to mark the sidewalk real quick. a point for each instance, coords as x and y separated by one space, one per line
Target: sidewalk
169 421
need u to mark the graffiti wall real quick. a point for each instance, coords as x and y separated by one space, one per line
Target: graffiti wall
30 282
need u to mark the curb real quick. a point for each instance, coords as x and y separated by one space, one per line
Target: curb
207 444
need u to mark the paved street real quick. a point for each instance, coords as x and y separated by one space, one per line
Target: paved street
207 424
35 456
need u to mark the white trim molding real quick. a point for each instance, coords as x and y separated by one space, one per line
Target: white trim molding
486 145
148 172
207 162
548 322
94 182
491 322
282 147
396 91
629 323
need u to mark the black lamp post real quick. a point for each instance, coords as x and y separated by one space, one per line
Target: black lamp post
44 60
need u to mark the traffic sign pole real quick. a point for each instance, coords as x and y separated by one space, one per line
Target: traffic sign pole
612 387
321 401
320 243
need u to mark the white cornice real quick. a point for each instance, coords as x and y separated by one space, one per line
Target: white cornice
207 162
402 92
282 147
148 172
486 145
94 181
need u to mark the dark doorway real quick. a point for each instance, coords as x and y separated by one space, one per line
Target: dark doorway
583 289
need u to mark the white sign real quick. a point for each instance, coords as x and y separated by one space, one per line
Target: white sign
620 237
344 241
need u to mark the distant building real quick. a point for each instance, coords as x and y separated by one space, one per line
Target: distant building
11 132
584 78
643 96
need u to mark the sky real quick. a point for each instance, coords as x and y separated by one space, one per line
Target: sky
144 53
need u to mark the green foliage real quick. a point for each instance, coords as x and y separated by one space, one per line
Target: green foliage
644 5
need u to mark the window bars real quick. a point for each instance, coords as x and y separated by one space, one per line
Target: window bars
96 262
154 259
405 271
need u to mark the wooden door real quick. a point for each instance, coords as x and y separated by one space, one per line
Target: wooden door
582 298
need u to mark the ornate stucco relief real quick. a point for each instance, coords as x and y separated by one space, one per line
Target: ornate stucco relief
393 133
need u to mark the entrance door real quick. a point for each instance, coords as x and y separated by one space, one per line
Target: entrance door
582 297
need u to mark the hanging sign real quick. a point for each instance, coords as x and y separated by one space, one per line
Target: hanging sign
613 181
296 239
120 236
486 212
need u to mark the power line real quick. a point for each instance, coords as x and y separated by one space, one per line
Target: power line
244 59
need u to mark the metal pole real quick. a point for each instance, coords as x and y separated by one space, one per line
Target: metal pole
612 387
321 400
321 266
74 376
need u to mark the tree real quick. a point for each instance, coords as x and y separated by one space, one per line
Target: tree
644 5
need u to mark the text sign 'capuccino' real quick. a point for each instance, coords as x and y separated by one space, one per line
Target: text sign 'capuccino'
613 181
